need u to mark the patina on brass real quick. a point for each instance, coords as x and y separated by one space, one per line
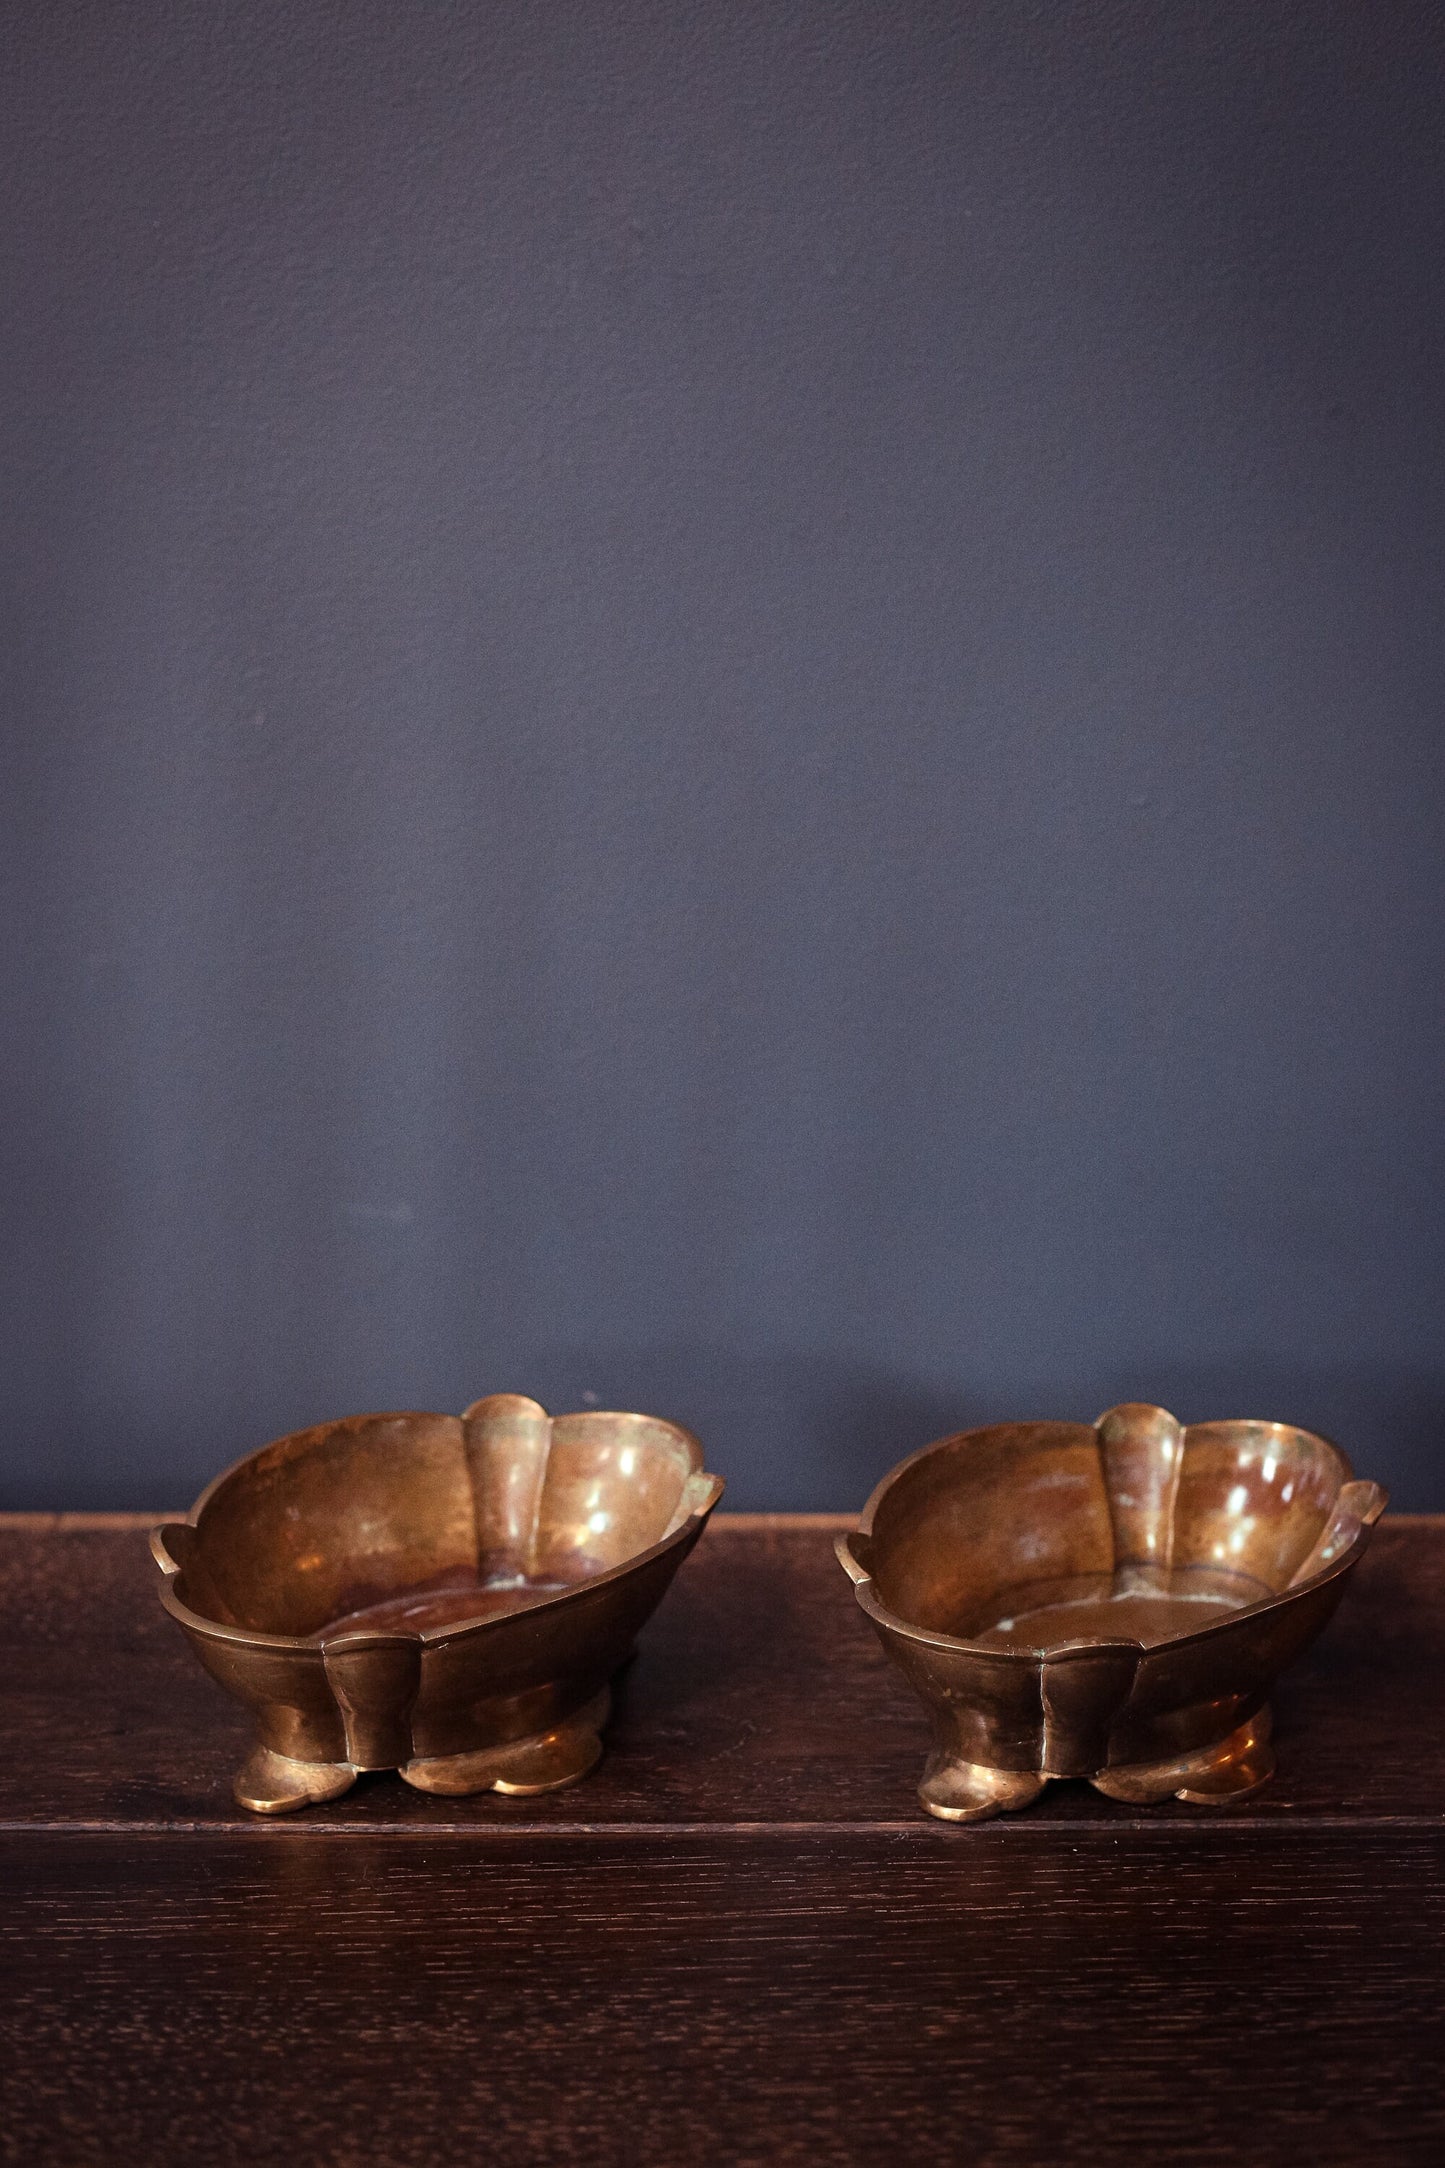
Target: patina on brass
446 1596
1110 1602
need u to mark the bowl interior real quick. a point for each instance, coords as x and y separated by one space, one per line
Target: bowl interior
405 1522
1029 1536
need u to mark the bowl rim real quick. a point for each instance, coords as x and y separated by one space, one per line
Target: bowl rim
1372 1499
705 1487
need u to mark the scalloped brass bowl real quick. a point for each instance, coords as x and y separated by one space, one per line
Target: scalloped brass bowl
1111 1602
443 1595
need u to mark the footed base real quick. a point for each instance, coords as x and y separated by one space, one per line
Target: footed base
273 1783
959 1791
1206 1778
543 1763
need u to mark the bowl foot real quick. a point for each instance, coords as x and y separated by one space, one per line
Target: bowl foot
1206 1778
273 1783
523 1767
960 1791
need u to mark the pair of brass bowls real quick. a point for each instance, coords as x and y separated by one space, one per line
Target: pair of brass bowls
449 1596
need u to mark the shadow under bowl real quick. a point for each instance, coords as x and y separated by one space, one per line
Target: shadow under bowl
1110 1601
447 1596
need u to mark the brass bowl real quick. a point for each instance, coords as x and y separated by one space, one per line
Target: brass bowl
443 1595
1110 1602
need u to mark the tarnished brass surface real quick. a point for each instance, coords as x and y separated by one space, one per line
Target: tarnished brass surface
1110 1602
447 1596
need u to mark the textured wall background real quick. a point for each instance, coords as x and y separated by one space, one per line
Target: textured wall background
733 707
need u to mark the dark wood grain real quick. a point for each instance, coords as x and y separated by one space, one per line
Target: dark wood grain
760 1696
1246 1999
738 1942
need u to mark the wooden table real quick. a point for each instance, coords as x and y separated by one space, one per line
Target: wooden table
739 1941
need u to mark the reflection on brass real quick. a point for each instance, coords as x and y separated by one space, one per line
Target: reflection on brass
1110 1602
446 1596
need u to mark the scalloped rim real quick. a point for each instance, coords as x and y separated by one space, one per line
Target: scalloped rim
863 1585
693 1521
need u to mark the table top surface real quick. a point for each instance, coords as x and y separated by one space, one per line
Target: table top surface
760 1699
738 1938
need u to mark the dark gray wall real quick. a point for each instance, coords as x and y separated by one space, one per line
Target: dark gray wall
733 707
